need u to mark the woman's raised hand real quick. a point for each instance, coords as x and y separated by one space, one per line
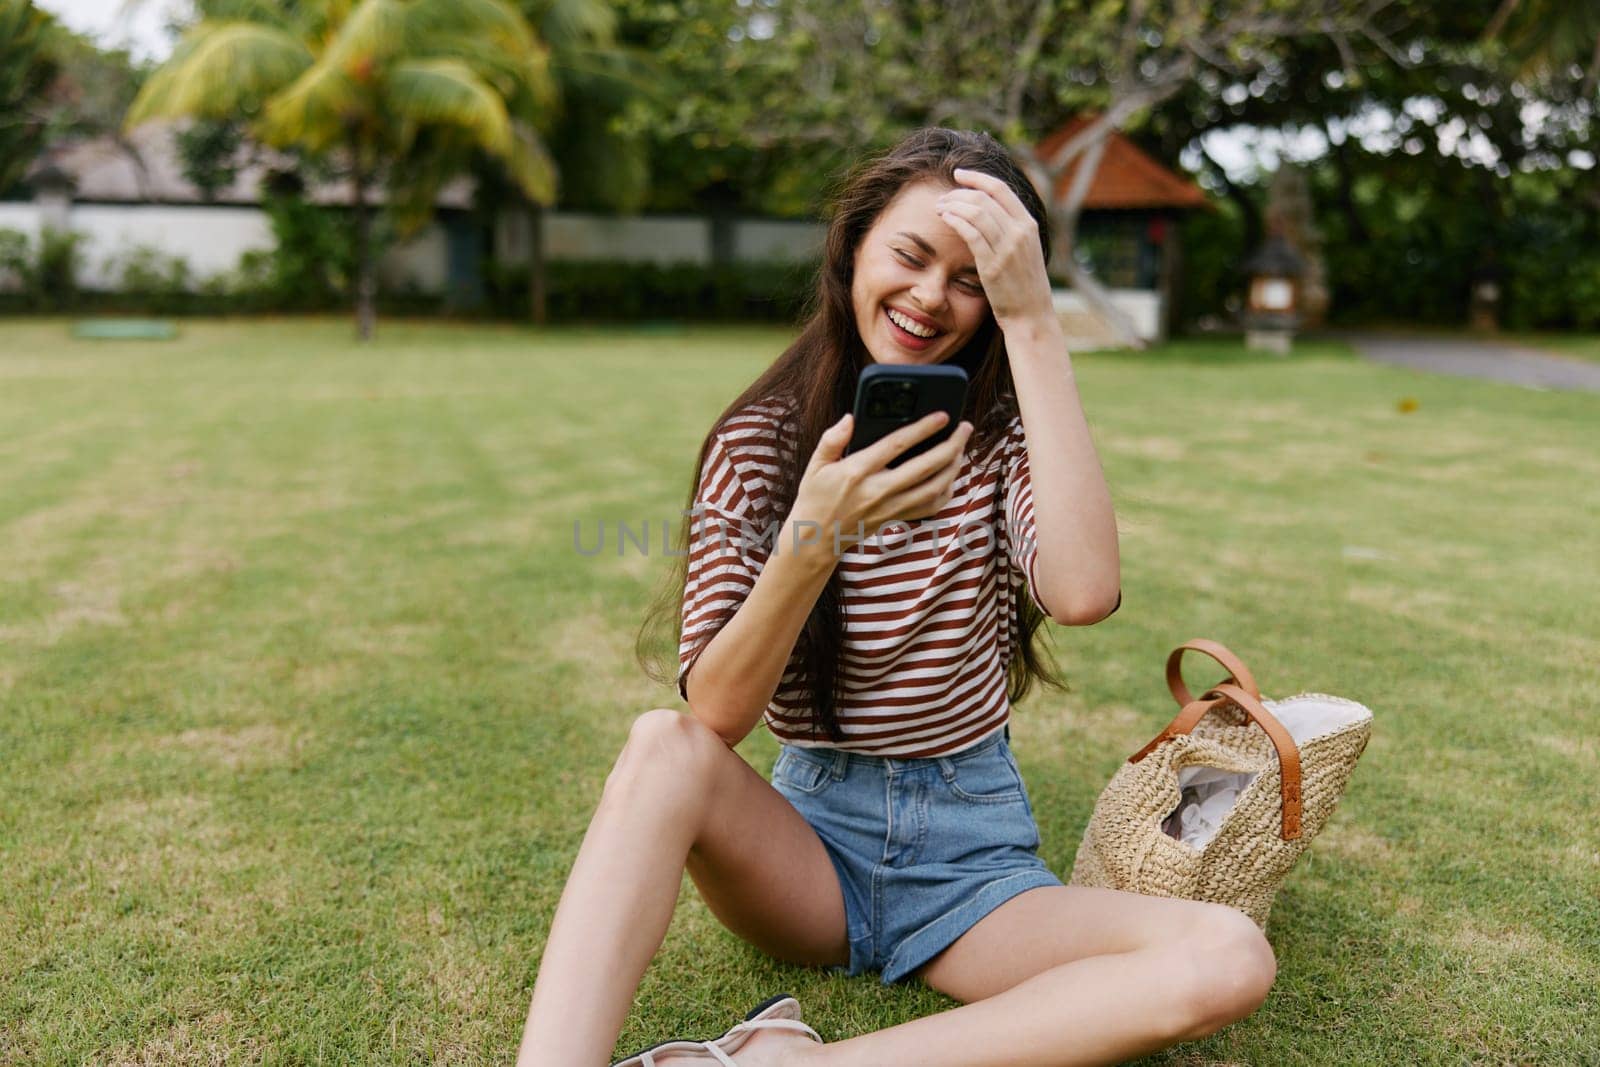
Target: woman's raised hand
1005 245
850 497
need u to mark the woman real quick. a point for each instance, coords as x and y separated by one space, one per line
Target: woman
896 834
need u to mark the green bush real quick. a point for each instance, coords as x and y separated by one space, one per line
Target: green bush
1210 278
14 259
151 280
44 272
246 288
56 267
144 271
312 265
1553 273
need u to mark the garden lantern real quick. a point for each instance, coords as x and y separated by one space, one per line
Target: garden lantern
1272 310
1483 310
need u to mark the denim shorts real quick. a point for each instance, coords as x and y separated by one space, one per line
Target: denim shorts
924 847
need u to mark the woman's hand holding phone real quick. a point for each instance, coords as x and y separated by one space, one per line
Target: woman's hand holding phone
842 494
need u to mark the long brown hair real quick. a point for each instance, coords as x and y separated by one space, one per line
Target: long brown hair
814 382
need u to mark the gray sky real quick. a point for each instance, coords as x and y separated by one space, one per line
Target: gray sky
136 25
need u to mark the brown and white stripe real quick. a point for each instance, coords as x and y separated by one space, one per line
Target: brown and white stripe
927 613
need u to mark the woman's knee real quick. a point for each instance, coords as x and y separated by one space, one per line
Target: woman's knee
1231 969
665 745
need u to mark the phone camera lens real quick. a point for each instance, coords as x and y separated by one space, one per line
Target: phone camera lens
891 400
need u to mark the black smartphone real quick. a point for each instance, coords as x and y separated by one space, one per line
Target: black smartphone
889 396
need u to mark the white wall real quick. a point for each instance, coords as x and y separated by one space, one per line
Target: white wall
655 239
15 216
211 238
777 240
422 263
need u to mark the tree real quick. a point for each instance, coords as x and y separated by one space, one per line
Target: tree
844 81
28 67
390 94
56 86
211 152
1435 162
594 80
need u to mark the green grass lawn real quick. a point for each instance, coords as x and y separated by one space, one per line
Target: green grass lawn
1574 345
306 697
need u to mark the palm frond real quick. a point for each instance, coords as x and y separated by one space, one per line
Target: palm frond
375 31
416 178
319 19
531 166
490 20
492 36
524 79
218 70
261 12
424 92
311 112
573 23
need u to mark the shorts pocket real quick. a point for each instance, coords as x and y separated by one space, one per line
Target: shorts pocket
987 779
800 774
985 811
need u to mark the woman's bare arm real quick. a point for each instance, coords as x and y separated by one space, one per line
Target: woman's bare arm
1079 568
736 674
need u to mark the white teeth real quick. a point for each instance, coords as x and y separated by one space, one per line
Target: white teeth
910 326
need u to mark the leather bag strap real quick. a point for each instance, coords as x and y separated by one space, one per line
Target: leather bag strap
1283 742
1238 673
1247 699
1187 720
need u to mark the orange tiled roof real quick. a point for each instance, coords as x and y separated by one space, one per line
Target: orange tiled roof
1127 178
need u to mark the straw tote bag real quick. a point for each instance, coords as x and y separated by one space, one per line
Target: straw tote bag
1223 801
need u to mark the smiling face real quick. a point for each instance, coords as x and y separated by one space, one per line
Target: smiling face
910 266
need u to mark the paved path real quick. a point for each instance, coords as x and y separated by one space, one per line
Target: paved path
1473 358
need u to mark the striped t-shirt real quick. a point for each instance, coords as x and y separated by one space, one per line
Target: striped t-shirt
927 609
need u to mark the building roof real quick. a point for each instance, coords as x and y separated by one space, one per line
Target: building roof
1127 178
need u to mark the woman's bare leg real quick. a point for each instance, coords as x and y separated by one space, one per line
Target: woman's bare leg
1061 976
677 797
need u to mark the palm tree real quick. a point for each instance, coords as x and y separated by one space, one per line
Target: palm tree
595 79
396 94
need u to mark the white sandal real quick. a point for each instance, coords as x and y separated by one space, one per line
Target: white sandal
781 1012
